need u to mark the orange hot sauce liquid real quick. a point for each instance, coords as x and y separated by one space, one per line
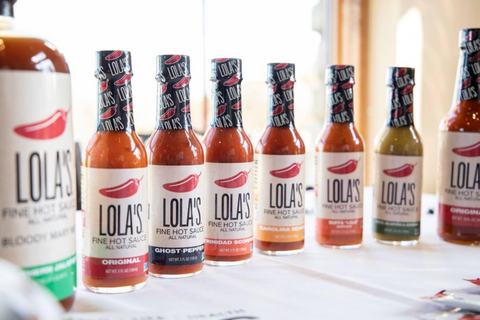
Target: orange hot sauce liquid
174 148
339 137
227 145
16 53
280 141
464 117
114 150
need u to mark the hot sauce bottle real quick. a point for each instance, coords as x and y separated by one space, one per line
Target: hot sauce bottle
339 166
37 160
397 190
228 171
114 186
458 185
176 231
279 171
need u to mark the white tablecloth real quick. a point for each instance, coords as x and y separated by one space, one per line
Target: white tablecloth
374 282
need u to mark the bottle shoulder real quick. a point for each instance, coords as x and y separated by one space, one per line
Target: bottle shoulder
281 141
339 137
404 141
174 147
227 145
115 150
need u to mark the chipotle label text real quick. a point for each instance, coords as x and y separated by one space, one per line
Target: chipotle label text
339 192
458 185
229 208
37 166
176 227
114 222
279 197
397 195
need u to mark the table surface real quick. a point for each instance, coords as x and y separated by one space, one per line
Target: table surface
373 282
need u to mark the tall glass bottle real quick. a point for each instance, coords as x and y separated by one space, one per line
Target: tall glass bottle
339 166
279 170
175 160
228 171
114 186
458 185
37 160
397 190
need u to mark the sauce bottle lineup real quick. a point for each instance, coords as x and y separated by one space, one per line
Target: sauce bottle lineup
166 209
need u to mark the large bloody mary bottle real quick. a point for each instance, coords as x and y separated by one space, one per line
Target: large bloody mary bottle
37 160
228 171
176 232
397 189
339 166
114 186
458 185
279 170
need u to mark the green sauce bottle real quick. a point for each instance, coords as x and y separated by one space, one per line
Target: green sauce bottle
397 192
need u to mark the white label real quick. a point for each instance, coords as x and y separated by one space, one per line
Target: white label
229 208
176 208
458 185
397 192
115 212
279 197
37 167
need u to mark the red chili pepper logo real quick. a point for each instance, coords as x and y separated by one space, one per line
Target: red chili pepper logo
466 83
471 35
280 66
124 80
350 105
186 185
397 113
340 67
186 109
291 106
173 59
347 85
221 109
470 317
109 113
222 59
339 108
50 128
124 190
170 113
441 294
400 172
103 86
410 109
288 172
407 89
274 88
400 72
129 107
182 83
475 57
114 55
334 88
288 85
468 151
163 88
474 281
277 110
236 181
346 168
233 80
237 105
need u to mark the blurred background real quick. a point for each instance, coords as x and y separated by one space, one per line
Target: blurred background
369 34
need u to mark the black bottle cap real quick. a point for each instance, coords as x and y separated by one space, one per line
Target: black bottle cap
114 64
280 73
173 68
339 73
225 69
398 77
466 37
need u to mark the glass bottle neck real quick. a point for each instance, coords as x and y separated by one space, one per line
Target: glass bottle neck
281 104
226 103
339 103
173 105
400 106
467 92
